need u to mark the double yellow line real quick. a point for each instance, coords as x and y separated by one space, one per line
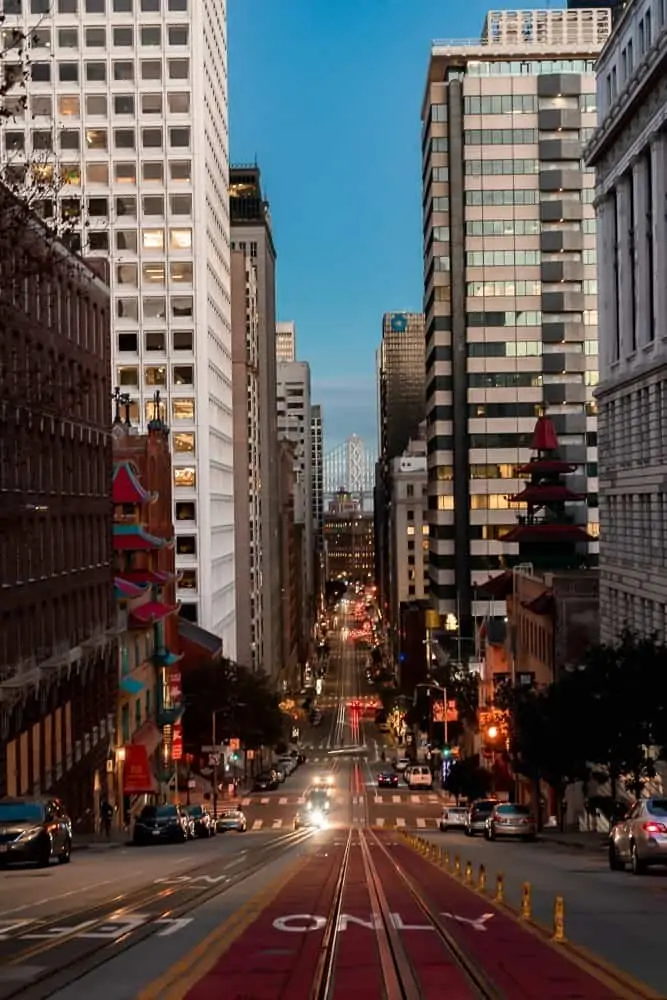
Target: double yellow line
176 982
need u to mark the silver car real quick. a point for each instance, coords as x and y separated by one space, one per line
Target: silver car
232 819
478 813
509 819
641 838
454 818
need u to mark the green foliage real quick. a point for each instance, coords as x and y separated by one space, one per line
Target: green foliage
246 706
607 713
466 779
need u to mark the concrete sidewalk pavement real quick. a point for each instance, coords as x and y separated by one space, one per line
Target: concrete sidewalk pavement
100 842
579 840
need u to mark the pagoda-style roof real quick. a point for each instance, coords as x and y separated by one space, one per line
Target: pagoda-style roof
125 590
134 538
499 586
540 495
544 436
126 486
545 466
543 604
156 577
150 613
546 533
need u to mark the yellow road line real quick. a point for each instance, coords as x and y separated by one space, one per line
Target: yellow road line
175 983
598 968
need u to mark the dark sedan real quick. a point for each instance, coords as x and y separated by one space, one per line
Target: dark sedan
267 781
203 821
34 830
387 780
157 824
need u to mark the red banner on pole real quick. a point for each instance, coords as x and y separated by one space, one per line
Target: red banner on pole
137 774
177 742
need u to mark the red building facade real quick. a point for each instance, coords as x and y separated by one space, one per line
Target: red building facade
57 646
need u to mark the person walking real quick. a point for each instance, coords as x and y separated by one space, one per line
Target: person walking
106 814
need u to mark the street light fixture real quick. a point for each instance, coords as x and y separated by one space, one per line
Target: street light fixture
443 690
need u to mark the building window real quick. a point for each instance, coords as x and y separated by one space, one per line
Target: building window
181 306
182 340
127 376
178 34
155 307
153 204
151 138
151 35
128 343
179 69
96 139
154 340
97 173
183 375
183 409
180 204
153 273
96 72
152 239
96 107
179 138
127 309
179 104
126 274
155 375
124 138
126 239
180 239
181 272
126 205
188 579
185 477
123 104
184 441
153 172
180 170
186 545
186 510
151 69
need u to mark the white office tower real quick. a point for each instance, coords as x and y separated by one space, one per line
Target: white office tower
295 425
285 341
128 100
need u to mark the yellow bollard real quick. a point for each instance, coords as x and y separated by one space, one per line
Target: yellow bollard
440 858
559 920
526 902
447 861
468 878
457 866
481 879
500 888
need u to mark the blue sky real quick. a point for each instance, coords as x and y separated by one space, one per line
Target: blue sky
326 95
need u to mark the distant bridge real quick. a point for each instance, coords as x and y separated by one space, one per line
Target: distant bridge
350 466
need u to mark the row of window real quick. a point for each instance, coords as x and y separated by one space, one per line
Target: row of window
530 67
503 227
156 375
43 7
155 307
503 258
154 273
155 341
152 171
507 196
495 168
487 289
512 318
500 104
501 471
527 348
500 136
96 71
97 139
148 36
97 105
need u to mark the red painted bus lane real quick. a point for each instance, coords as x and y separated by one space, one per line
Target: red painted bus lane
358 973
522 965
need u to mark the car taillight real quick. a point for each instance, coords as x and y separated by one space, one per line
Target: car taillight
654 827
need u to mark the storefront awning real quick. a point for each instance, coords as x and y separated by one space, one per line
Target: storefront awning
130 685
149 736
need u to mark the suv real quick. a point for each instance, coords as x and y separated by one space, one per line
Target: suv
478 814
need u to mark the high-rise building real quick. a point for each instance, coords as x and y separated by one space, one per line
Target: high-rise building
629 152
247 451
409 546
285 342
251 233
510 279
401 387
295 425
140 131
616 6
348 540
317 477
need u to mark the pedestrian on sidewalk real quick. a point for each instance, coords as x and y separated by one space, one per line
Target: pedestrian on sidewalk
106 814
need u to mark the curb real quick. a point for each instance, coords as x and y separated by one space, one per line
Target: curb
101 846
574 845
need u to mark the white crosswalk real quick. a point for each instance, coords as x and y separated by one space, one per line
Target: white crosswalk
416 800
399 823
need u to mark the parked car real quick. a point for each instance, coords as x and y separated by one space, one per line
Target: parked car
281 772
419 776
289 763
166 823
387 780
34 829
401 764
478 813
509 819
454 818
232 819
203 821
640 839
267 781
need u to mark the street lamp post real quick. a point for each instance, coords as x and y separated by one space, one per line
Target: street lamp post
443 690
120 760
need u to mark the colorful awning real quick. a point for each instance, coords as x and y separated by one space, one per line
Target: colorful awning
130 685
151 612
126 486
134 538
126 590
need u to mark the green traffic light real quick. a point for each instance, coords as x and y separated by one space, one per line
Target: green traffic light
446 752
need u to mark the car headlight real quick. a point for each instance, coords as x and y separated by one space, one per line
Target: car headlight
31 833
319 819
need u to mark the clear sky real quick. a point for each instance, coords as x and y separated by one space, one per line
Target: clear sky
326 96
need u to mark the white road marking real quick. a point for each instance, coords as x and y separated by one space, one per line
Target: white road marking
421 822
245 802
257 825
277 823
379 821
378 800
264 802
400 822
282 802
415 798
396 798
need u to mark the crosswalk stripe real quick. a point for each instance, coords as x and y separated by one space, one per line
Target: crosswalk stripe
400 822
396 798
265 802
378 800
282 802
277 823
245 802
421 822
415 798
379 821
257 825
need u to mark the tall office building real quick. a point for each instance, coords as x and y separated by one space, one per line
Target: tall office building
616 6
136 126
510 279
247 451
629 152
401 386
295 425
285 342
317 467
251 233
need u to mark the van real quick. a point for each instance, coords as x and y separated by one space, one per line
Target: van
419 776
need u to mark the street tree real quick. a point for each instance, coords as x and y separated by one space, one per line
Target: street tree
467 779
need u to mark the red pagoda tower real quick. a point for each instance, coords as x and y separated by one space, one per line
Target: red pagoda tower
547 534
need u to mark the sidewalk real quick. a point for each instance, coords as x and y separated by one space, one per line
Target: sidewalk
98 841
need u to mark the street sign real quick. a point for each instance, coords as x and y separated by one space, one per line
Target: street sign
177 742
235 744
217 749
250 754
213 759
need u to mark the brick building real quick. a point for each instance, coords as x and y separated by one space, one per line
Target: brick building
57 646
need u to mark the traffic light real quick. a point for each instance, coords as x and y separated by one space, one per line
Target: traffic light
446 751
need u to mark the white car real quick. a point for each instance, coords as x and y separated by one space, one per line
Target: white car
402 764
232 819
454 818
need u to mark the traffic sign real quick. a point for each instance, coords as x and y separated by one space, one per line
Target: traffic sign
217 749
235 744
213 759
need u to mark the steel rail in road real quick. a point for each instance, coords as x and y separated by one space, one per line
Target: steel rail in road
399 976
161 896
